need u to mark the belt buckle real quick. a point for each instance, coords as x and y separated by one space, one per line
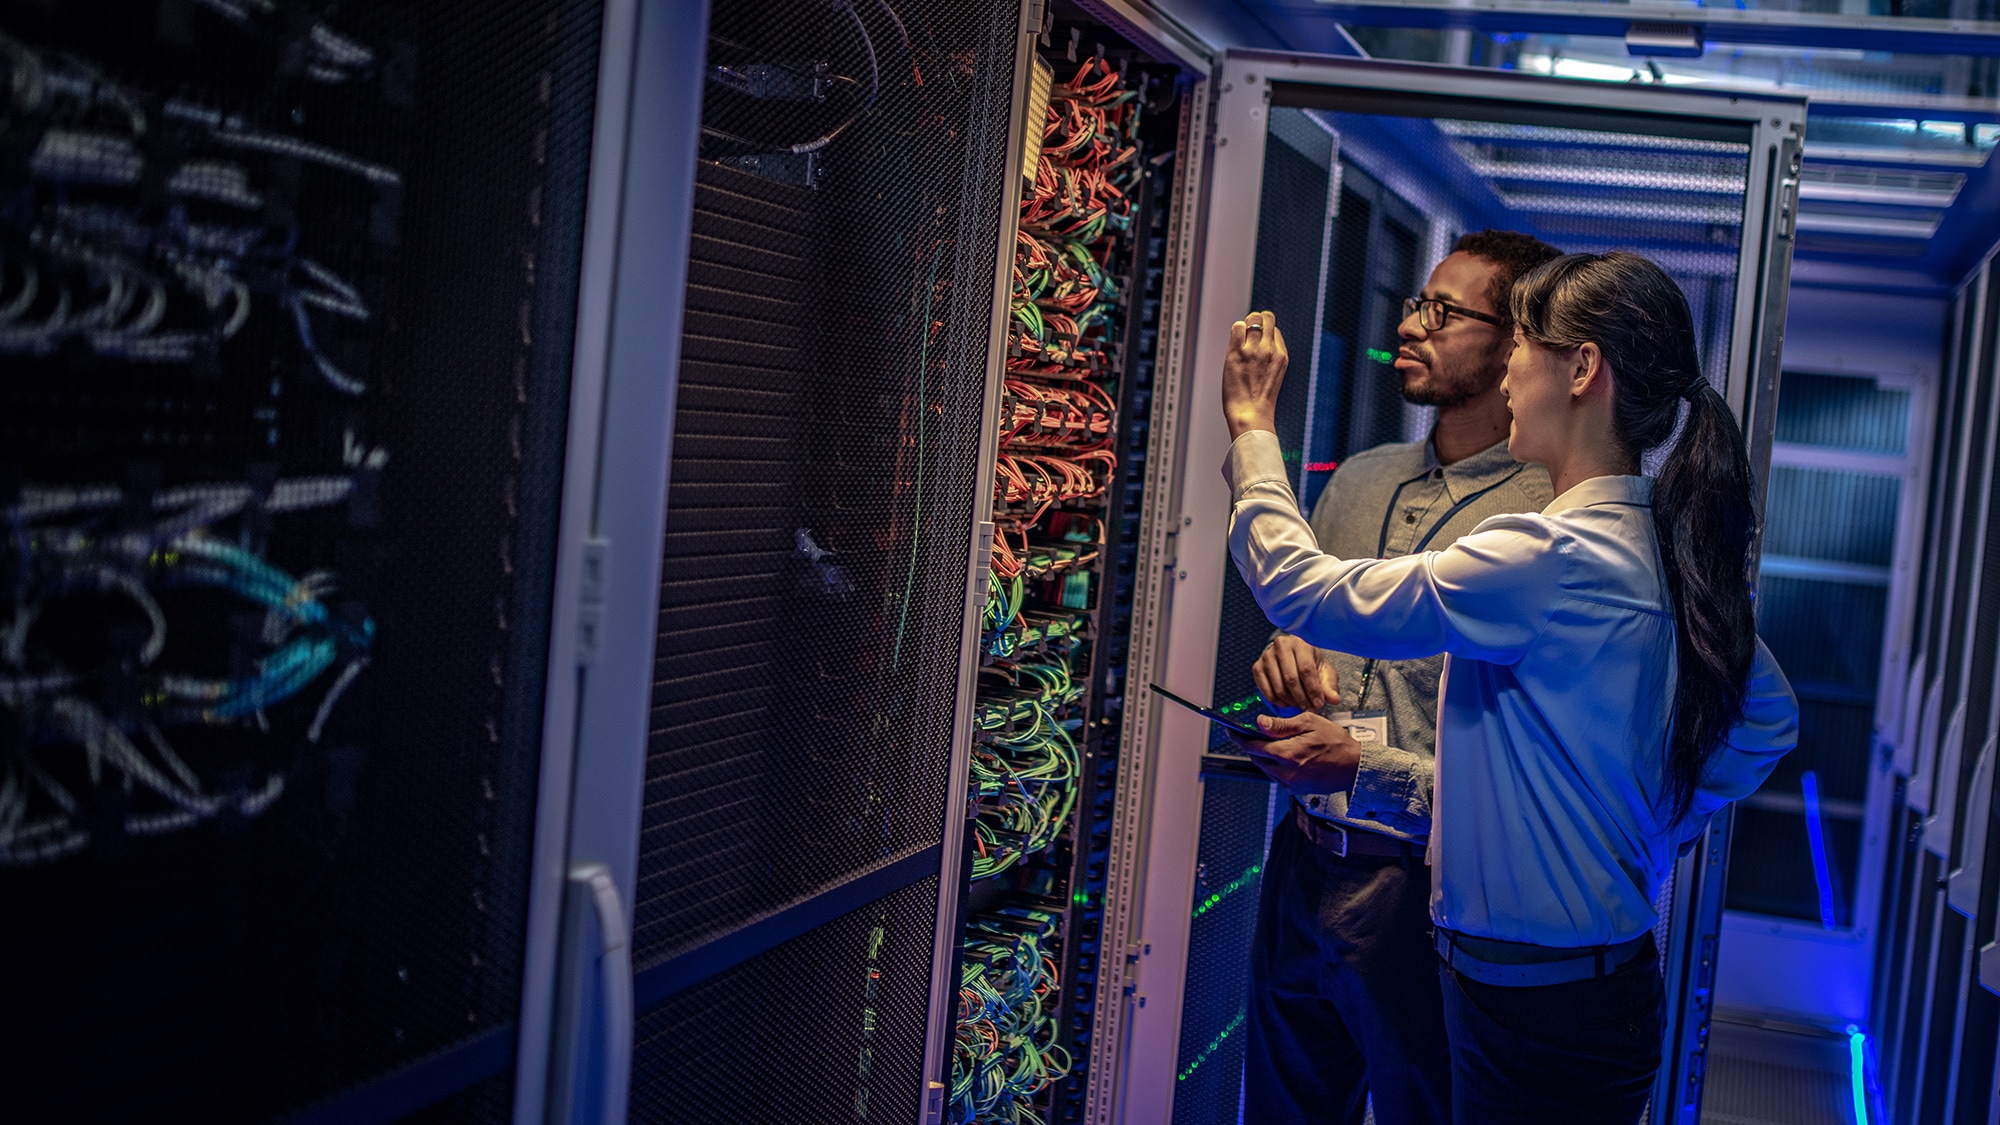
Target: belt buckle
1316 829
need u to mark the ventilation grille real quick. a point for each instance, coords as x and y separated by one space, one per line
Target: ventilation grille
827 1027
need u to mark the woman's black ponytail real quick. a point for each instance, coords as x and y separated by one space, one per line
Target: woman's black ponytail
1702 510
1701 507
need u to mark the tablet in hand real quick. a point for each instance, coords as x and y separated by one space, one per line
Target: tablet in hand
1214 716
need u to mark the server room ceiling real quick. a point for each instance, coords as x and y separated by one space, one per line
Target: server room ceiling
1903 121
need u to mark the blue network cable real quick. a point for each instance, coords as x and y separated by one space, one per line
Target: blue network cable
318 640
1816 837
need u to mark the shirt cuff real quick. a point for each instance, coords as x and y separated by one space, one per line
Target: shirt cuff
1386 785
1254 458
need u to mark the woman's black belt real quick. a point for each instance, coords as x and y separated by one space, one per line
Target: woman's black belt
1515 964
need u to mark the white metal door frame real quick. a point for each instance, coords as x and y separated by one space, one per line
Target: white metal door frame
1227 246
572 1060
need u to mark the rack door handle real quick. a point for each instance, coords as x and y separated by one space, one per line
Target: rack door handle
614 972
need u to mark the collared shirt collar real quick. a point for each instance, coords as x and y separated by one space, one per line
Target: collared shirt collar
1468 475
1604 490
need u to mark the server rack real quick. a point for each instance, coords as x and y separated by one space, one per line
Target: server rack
1936 972
833 412
1100 173
770 783
293 321
781 818
1251 88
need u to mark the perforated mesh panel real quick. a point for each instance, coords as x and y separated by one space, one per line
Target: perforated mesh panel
490 1102
825 448
1235 831
827 1027
826 444
1758 1076
319 269
1840 412
1832 516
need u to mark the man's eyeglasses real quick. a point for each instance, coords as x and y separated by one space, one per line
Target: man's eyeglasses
1432 313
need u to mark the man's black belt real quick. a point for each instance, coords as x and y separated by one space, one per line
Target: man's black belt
1345 842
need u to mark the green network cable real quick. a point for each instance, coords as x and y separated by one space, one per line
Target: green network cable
1005 1051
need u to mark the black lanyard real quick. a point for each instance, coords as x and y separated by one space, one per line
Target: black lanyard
1382 544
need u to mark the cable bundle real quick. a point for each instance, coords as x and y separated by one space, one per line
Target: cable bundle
1056 461
1027 485
1024 762
1062 291
1058 422
1037 630
1089 155
68 550
1061 298
1005 1051
1074 415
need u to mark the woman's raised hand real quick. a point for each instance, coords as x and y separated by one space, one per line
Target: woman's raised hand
1253 373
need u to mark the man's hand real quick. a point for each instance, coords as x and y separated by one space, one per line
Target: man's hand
1252 374
1307 753
1290 673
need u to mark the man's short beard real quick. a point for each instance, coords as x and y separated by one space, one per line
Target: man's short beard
1447 393
1446 397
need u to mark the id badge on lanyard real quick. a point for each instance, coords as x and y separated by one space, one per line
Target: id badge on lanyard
1369 728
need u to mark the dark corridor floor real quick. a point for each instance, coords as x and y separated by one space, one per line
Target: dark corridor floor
1760 1075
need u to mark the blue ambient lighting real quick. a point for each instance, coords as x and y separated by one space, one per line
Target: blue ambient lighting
1857 1071
1816 835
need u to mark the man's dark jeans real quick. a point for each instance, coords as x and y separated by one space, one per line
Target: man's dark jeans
1344 998
1580 1052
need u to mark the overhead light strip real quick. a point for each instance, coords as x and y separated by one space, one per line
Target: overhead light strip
1624 209
1883 154
1921 229
1546 134
1504 171
1876 194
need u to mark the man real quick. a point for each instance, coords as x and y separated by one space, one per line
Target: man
1344 994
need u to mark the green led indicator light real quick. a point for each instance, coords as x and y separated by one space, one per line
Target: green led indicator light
1242 704
1380 356
1230 888
1225 1033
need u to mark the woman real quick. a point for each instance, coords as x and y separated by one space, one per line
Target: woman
1604 692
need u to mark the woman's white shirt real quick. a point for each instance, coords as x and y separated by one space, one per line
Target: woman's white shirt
1551 823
